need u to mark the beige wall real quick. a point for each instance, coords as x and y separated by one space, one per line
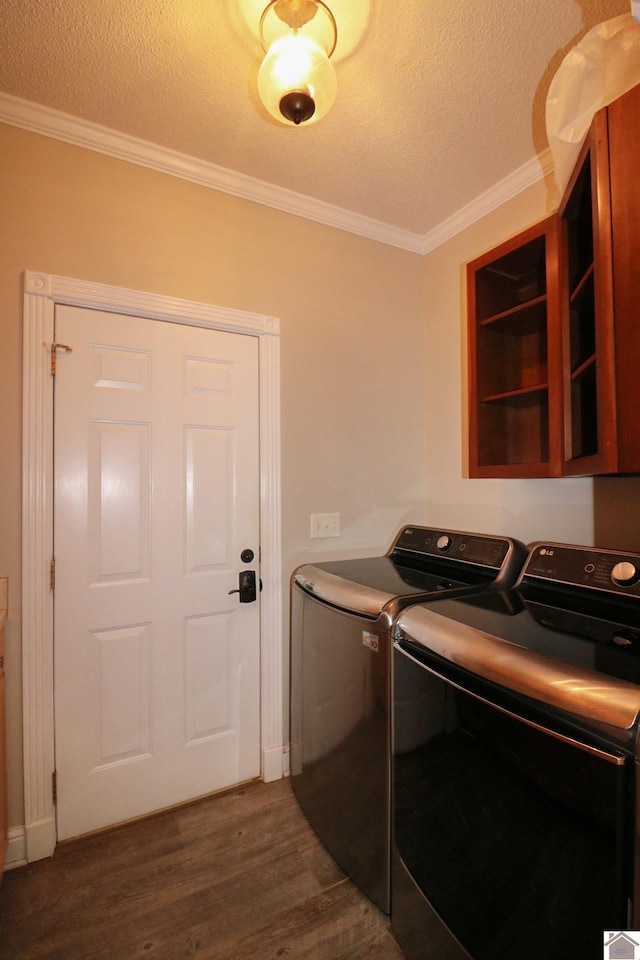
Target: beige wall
352 338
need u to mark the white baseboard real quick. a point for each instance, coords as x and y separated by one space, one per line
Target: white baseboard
40 839
272 767
16 849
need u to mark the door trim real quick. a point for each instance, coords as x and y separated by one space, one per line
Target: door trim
41 294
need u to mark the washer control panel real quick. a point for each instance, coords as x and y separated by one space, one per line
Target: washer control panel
607 570
485 551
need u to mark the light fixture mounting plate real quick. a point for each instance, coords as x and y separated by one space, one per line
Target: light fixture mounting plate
311 18
295 13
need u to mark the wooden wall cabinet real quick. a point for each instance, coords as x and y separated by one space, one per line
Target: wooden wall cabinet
554 324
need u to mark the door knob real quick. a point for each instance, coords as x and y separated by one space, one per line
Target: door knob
246 586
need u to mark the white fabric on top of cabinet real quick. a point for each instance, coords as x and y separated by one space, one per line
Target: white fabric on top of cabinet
599 69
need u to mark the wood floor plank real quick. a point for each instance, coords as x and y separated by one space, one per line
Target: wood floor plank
337 923
239 876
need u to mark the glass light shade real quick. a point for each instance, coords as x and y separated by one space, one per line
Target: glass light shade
297 65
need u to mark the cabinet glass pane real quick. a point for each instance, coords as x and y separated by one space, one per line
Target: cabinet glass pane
512 352
579 219
584 414
515 430
581 385
582 319
512 280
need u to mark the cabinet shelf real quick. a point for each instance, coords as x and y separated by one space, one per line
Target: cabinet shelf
582 283
585 366
523 395
522 313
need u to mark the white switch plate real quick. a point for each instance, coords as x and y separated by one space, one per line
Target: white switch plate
325 525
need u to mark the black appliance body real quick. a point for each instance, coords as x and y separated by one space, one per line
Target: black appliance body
515 764
341 617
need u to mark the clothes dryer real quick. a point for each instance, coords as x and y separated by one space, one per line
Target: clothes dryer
515 769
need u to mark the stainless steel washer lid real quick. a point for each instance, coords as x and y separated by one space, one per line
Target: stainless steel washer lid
347 594
592 697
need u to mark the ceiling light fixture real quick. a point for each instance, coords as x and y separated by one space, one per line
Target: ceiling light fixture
297 82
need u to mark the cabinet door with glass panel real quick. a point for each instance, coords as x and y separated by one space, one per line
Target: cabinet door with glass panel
587 317
600 292
514 357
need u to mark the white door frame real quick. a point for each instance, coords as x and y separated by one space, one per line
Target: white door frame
41 293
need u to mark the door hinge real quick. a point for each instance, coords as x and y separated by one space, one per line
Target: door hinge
52 575
54 787
55 347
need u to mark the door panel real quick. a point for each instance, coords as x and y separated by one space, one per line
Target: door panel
208 465
156 495
120 483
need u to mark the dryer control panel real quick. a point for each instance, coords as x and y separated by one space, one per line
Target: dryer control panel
608 571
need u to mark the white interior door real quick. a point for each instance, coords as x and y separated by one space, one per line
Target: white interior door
157 668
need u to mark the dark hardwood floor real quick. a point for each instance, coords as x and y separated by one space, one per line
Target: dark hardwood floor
239 876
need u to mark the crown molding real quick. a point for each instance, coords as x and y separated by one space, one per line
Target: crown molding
525 176
122 146
91 136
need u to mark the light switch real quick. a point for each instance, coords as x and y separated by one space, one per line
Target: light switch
325 525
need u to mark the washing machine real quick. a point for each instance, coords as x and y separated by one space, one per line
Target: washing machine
341 617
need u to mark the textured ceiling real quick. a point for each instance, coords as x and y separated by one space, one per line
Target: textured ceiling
437 101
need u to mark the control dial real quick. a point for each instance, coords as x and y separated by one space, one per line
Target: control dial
625 573
444 542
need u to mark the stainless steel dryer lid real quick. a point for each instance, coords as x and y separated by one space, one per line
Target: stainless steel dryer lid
595 698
